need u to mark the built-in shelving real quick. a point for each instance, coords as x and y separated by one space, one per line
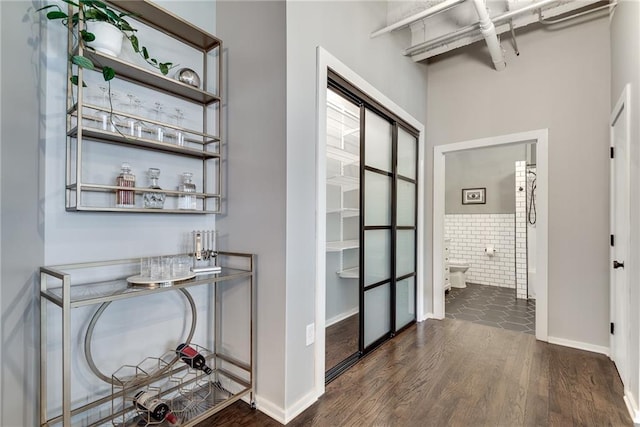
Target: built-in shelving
342 155
349 273
345 181
345 212
342 245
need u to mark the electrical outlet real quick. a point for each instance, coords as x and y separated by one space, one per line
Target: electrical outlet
311 333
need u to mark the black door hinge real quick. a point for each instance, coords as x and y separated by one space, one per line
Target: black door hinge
612 328
613 240
611 150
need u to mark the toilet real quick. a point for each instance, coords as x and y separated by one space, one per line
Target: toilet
457 273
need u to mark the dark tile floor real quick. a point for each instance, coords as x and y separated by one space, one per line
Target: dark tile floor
491 306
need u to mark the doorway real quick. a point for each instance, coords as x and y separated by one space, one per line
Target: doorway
327 64
620 230
371 224
540 138
486 237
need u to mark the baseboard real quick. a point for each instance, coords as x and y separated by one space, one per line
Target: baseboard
579 345
632 407
283 416
341 316
270 409
426 316
298 407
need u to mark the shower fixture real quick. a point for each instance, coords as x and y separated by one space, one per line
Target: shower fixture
531 205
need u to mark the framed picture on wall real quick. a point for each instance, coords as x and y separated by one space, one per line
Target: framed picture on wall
474 196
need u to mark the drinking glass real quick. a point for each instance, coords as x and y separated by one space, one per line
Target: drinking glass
145 267
158 115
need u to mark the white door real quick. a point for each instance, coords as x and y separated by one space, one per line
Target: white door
619 260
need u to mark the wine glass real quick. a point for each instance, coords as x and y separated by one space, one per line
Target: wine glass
158 115
179 116
134 126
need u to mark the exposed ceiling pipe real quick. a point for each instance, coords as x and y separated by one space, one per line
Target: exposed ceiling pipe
440 7
543 21
488 31
469 29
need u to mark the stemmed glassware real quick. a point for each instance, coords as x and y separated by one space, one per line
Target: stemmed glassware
179 116
160 131
134 126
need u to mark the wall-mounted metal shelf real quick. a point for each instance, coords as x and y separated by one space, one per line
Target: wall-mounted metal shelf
150 78
117 138
84 122
169 23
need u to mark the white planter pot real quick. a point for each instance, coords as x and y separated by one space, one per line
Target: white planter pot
108 38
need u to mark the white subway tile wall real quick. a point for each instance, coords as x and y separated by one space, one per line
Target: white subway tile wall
521 229
470 234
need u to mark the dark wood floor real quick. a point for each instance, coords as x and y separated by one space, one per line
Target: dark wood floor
455 373
341 341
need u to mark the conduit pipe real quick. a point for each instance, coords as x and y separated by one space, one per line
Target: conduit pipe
440 7
488 31
448 38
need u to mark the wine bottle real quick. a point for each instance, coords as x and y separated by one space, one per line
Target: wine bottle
157 408
191 357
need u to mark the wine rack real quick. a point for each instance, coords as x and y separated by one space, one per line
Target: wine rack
191 393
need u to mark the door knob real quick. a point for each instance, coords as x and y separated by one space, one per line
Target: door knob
617 264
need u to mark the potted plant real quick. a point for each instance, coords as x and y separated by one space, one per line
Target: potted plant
102 29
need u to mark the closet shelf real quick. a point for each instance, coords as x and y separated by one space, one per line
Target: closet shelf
345 181
345 212
342 155
349 273
342 245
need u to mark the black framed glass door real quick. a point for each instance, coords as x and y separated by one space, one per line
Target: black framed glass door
387 189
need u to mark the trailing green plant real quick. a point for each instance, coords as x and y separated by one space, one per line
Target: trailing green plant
96 10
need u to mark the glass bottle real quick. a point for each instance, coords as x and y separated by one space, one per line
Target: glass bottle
193 358
187 201
153 200
157 409
125 198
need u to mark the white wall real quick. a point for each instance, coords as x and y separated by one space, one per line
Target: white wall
545 87
22 218
491 168
471 234
625 68
253 34
36 230
342 28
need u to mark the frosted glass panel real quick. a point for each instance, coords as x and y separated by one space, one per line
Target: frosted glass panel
407 152
377 256
377 313
405 302
377 199
377 142
405 252
406 204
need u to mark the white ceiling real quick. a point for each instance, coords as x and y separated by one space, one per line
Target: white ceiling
464 15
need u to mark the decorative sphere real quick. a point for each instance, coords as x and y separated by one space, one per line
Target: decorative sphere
188 76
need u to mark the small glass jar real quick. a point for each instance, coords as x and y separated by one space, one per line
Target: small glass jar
187 201
125 198
154 199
